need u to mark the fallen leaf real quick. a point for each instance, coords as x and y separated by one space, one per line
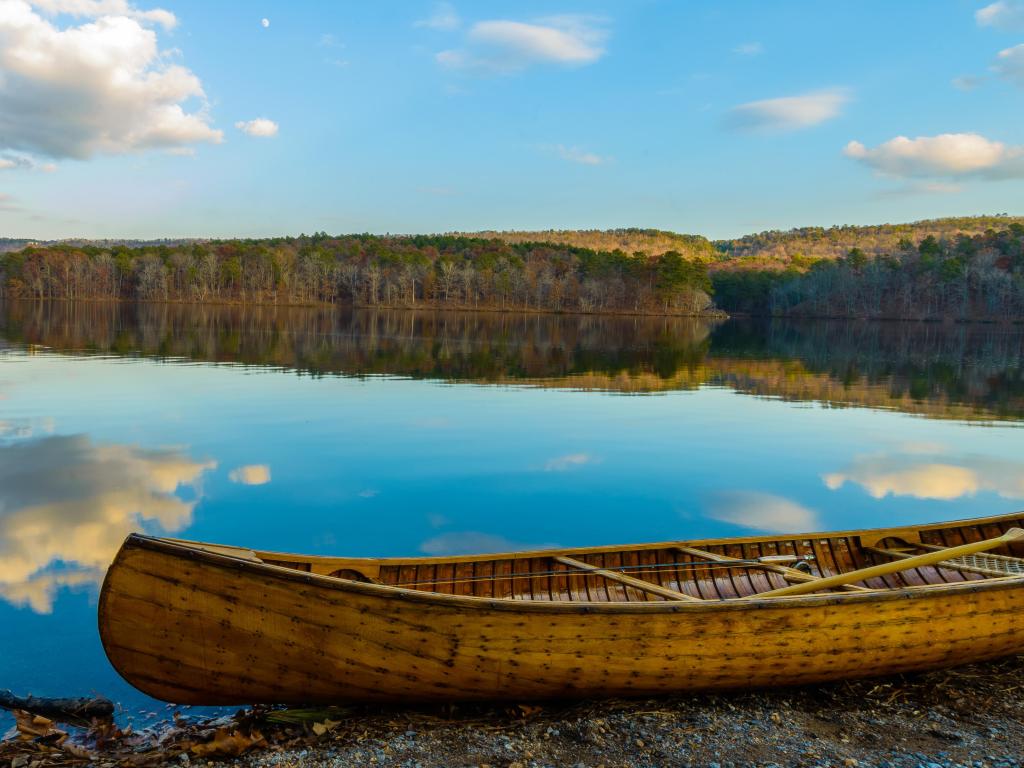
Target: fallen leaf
228 743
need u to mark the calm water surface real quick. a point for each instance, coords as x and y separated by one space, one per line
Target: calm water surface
405 433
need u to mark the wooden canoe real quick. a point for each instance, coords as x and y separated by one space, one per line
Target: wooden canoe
198 623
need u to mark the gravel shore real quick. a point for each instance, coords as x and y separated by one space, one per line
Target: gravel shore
972 716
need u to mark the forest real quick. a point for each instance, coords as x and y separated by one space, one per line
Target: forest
969 268
966 277
448 271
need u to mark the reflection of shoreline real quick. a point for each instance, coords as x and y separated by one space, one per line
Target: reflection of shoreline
67 503
957 372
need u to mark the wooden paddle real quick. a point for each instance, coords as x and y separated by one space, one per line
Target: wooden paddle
918 561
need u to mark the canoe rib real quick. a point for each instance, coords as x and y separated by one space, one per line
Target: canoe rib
643 586
789 574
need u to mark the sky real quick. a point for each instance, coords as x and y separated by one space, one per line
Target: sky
259 118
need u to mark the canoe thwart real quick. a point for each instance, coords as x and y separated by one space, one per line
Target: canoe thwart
643 586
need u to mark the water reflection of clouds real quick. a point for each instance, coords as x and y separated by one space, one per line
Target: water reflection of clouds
931 476
567 462
762 511
250 474
474 542
66 504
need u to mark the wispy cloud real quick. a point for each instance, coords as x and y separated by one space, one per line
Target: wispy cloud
789 113
1010 65
579 156
955 155
502 46
1005 14
569 461
920 188
9 204
443 18
749 49
967 82
19 160
261 127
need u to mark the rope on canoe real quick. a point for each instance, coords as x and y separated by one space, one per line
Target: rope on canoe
594 570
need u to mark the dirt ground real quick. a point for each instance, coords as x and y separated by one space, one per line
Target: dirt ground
971 716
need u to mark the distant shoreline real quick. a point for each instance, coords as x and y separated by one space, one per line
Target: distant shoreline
421 307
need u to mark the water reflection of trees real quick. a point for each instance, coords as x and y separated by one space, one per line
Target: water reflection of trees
957 371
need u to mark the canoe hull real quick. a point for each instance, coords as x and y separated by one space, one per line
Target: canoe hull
196 627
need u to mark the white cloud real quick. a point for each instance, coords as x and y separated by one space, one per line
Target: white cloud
570 461
762 512
504 46
264 23
929 478
1010 64
102 87
749 49
94 9
66 504
250 474
443 18
261 127
946 155
1005 14
580 156
789 113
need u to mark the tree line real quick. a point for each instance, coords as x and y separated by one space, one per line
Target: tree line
966 277
367 270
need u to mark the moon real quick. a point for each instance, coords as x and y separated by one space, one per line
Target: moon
265 23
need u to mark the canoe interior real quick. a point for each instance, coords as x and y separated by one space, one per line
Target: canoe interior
543 576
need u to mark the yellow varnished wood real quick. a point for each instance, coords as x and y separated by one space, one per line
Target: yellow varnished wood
202 626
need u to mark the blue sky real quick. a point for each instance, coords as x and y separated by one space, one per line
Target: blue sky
719 118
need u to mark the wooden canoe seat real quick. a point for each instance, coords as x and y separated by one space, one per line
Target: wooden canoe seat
985 563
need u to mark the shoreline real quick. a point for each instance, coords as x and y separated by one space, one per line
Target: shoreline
967 717
716 315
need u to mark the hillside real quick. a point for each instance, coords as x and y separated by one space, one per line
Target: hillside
652 242
801 247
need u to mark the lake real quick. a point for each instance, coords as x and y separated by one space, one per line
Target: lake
400 433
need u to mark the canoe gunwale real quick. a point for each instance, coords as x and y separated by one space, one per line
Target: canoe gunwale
179 549
871 534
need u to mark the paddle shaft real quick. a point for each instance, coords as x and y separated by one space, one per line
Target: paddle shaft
884 569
